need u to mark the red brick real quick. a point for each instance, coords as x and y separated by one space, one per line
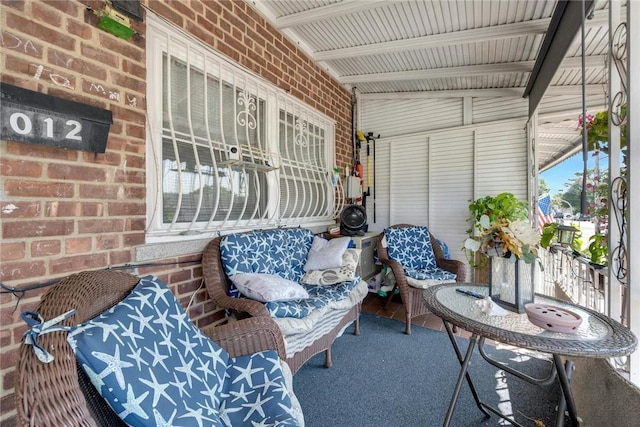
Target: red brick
16 210
10 271
78 245
95 53
9 358
108 192
76 173
161 7
43 248
94 226
18 65
5 338
81 30
129 115
136 224
136 131
23 230
135 193
78 263
119 258
62 209
12 251
133 239
137 162
18 43
14 4
131 177
107 242
91 87
92 209
68 7
121 80
134 68
39 31
37 189
122 47
41 151
127 209
23 168
43 13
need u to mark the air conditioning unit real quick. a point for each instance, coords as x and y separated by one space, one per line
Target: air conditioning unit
233 152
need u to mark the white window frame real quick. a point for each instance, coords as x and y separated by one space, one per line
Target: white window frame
163 37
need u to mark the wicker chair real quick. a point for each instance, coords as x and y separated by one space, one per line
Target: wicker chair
59 392
411 296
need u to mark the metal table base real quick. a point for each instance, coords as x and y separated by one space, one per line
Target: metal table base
557 368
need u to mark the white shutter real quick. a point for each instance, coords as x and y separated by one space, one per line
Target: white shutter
494 109
451 187
501 161
391 118
409 181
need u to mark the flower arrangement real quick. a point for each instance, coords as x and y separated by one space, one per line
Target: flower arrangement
505 238
500 228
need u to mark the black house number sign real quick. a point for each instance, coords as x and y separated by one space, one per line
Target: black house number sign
36 118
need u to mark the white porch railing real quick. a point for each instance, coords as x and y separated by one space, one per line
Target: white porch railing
567 276
571 277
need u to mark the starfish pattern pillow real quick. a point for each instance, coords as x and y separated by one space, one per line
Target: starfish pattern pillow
156 368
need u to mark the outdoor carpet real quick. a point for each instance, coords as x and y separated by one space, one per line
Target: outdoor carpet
386 378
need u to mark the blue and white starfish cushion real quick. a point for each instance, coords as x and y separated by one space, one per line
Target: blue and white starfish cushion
155 367
411 247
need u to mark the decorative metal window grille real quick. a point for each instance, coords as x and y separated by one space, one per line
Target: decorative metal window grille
226 149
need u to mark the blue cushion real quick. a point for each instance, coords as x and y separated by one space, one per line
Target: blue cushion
255 392
445 249
411 247
150 362
433 274
319 296
279 252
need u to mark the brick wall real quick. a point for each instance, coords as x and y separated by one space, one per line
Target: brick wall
63 210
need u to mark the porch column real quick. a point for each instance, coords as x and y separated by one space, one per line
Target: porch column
633 127
614 293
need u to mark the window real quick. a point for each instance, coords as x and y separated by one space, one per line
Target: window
226 149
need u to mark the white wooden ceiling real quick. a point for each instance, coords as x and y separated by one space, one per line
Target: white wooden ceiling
478 48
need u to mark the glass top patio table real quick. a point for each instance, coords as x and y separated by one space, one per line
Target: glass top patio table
598 336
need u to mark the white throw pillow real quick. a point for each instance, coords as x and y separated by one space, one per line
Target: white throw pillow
268 287
325 254
331 276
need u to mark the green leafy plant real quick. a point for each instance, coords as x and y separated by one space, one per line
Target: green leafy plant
504 206
599 249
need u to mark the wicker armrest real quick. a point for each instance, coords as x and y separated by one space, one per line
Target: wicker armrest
248 336
217 286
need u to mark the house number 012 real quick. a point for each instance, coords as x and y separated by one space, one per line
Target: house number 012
22 124
37 118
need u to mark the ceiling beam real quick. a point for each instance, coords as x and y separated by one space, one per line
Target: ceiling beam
596 61
474 35
345 7
514 92
566 21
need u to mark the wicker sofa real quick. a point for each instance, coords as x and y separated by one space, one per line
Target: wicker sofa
308 325
61 393
417 260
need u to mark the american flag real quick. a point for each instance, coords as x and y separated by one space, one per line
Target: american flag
545 214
